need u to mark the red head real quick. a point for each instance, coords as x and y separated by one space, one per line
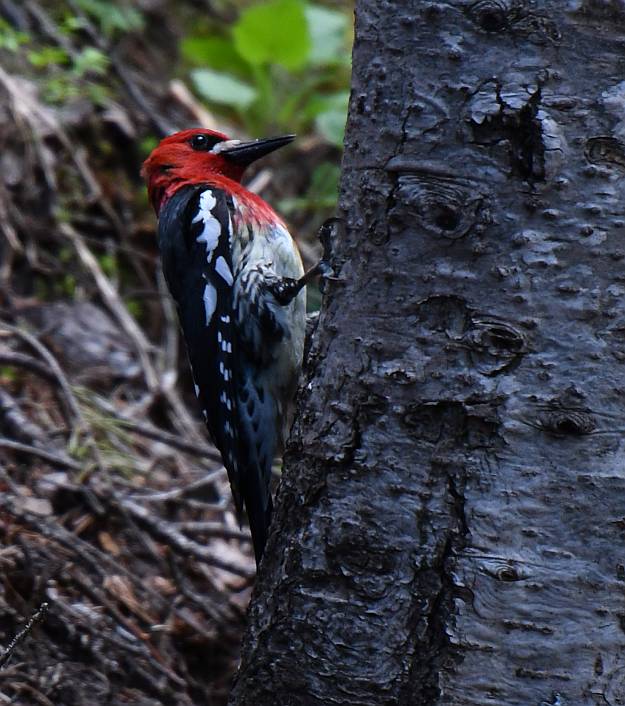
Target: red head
200 155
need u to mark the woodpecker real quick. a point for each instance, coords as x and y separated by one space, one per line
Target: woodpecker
236 276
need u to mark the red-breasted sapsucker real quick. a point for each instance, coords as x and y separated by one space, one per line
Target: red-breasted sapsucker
236 276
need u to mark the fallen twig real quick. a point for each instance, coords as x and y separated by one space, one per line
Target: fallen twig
180 417
55 369
185 490
161 126
21 360
181 544
79 426
114 304
54 459
150 652
102 563
34 619
16 423
152 432
213 529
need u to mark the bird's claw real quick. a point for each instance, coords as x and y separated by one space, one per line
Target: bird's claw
328 233
286 289
325 269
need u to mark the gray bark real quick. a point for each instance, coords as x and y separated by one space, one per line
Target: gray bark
450 523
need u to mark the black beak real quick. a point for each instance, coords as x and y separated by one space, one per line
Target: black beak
247 152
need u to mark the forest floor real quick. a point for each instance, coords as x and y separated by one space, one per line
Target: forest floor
115 512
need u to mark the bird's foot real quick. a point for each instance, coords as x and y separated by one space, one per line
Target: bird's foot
328 233
286 288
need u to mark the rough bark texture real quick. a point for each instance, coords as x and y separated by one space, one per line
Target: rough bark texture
449 527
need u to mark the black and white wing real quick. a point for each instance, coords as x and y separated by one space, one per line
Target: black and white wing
195 232
244 346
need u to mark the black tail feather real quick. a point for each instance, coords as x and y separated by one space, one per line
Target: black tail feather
259 519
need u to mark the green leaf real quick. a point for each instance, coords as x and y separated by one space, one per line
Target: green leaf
324 185
146 145
322 103
48 56
11 39
222 88
322 192
70 23
68 285
91 61
109 264
274 32
216 52
98 94
331 122
7 374
111 17
58 89
329 113
331 125
328 34
135 308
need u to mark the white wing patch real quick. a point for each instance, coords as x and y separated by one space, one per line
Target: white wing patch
221 267
210 302
212 228
225 400
230 228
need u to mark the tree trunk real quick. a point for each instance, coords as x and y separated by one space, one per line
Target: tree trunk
449 526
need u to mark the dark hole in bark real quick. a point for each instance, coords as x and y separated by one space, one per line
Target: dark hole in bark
489 15
528 152
505 340
446 218
569 425
522 131
508 573
568 422
492 21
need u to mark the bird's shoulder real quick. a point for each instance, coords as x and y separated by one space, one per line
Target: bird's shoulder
191 208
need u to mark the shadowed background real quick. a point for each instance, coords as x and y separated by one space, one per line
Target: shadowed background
114 508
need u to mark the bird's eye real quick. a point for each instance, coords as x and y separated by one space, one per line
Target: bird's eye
203 143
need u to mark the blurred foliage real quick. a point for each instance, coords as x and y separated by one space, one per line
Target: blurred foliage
262 67
88 93
113 17
324 184
10 38
79 76
69 74
268 67
281 66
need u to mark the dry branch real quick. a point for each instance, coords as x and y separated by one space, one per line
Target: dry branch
36 617
54 459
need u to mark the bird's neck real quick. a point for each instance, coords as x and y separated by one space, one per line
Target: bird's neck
247 204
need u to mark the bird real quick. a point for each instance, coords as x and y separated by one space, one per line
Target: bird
236 276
